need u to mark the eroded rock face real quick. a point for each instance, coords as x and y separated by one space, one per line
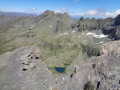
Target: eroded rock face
109 26
24 69
103 71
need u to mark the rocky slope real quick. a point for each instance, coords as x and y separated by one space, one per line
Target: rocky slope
24 69
57 22
98 73
109 26
12 29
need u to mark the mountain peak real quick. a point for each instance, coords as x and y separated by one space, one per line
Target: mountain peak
47 12
117 20
65 14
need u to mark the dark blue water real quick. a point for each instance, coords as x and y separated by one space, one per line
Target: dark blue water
60 69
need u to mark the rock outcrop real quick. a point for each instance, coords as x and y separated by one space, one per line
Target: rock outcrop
109 26
24 69
102 73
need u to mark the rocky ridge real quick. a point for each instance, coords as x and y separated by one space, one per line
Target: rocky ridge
24 69
102 71
109 26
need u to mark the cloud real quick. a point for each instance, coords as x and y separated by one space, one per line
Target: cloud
63 9
33 10
57 11
97 13
91 12
113 14
76 14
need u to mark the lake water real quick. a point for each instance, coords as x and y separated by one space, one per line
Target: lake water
60 69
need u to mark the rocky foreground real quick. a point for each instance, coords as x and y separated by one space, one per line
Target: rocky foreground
24 69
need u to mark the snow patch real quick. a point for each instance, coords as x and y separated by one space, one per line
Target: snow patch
83 33
50 26
64 34
102 36
72 31
101 41
90 33
97 36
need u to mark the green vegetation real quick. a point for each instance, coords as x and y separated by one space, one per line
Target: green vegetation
59 51
88 86
117 33
3 45
63 50
91 50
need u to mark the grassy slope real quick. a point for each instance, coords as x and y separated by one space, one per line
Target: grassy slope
58 50
62 50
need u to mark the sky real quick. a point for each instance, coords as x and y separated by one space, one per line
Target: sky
90 8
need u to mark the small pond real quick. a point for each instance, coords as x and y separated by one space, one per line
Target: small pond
60 69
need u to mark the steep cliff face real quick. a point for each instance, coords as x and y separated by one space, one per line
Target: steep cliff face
117 20
24 69
100 73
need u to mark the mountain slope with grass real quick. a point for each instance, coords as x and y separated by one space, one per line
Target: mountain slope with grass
61 41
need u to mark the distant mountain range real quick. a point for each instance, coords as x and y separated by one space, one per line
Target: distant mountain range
14 14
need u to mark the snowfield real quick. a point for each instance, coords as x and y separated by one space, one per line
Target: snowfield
97 36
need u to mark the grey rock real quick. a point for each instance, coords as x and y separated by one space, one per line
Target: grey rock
109 26
25 70
103 71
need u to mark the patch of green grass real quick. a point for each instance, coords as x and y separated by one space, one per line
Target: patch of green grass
90 49
3 47
59 51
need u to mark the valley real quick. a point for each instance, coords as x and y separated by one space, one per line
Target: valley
31 48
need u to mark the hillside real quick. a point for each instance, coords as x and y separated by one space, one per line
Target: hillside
32 47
